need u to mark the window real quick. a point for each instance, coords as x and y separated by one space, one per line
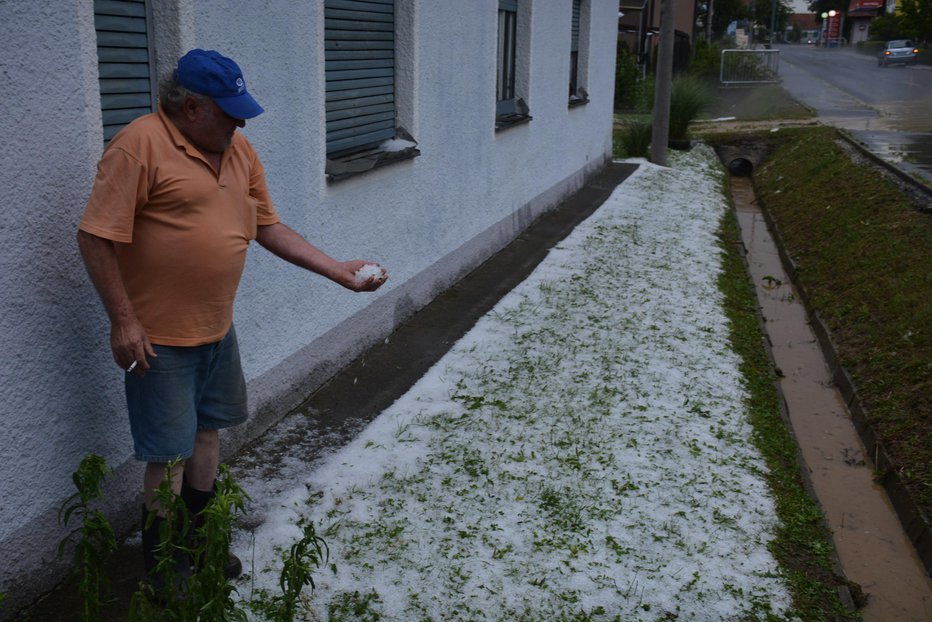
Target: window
577 93
509 108
359 39
125 62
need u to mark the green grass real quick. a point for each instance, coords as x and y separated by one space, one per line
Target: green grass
862 251
759 103
803 542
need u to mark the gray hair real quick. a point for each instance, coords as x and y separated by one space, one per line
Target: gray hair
172 94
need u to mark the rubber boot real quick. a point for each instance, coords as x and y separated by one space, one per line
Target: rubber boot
151 539
196 501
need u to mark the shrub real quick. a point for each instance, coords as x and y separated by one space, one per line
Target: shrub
706 60
626 78
886 27
644 95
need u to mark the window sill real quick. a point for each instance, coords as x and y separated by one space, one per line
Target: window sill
345 167
505 121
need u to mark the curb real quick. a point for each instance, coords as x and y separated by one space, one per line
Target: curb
924 189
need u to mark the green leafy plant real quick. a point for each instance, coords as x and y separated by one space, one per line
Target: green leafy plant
166 595
209 587
307 553
912 20
94 539
205 594
173 593
299 562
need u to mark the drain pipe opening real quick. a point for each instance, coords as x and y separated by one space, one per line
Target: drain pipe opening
740 167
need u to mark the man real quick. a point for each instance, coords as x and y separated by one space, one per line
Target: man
178 196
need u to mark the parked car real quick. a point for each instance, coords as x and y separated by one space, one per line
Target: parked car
898 51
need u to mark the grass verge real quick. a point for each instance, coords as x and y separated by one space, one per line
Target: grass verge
757 103
803 543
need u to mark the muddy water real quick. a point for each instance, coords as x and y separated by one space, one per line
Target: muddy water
872 547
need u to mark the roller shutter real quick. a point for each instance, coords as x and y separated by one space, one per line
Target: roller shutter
360 73
124 54
574 43
505 79
574 50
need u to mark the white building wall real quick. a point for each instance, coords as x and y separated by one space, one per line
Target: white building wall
428 220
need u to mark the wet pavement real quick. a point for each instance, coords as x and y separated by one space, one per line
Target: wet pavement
910 152
899 131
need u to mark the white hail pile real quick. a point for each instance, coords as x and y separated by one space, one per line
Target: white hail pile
583 451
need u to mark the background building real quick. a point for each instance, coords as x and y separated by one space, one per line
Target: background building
639 30
860 14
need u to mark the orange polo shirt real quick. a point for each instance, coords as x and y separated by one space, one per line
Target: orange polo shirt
180 229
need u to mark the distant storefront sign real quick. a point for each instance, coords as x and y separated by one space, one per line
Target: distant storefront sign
833 26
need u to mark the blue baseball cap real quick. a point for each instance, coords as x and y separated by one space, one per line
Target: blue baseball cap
210 73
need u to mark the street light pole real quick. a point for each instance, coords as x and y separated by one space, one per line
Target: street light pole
773 21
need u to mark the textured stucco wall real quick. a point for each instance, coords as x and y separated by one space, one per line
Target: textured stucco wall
428 220
56 397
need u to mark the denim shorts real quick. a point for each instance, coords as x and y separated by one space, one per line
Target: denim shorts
185 390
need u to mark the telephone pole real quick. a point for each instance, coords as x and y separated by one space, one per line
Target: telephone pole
660 131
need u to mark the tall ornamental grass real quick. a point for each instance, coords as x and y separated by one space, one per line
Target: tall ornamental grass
689 96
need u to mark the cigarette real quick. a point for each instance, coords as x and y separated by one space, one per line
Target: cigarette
132 367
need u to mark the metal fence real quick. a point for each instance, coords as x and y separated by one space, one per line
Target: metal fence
750 66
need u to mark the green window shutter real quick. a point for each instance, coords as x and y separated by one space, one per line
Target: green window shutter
124 58
359 39
574 45
505 78
574 50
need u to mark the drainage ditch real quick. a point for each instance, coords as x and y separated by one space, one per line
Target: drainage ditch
873 548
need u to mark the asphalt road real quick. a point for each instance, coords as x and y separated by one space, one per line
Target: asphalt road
888 109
